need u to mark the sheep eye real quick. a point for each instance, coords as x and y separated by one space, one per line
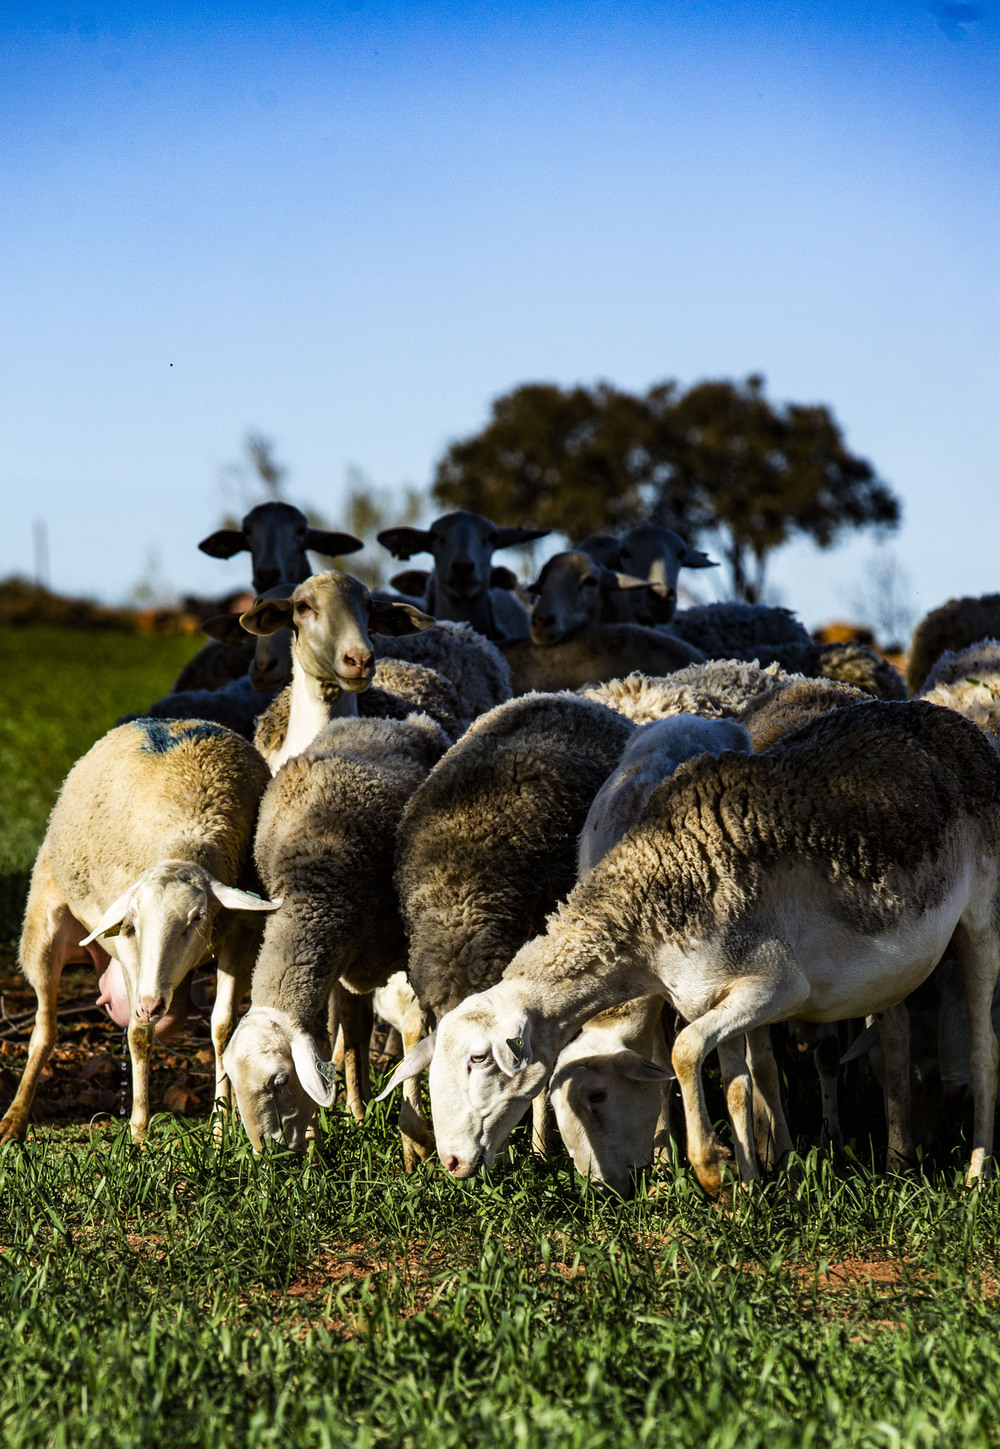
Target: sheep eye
279 1081
479 1057
589 581
302 607
598 1096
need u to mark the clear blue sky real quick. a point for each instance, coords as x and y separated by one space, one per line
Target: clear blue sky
350 225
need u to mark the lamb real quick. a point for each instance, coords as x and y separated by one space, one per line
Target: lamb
606 651
147 849
607 1084
952 627
459 587
487 845
331 616
820 880
721 688
573 593
325 844
969 682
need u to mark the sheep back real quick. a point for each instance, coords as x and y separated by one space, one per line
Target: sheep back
969 682
605 651
215 664
472 662
770 717
722 631
721 688
952 627
487 844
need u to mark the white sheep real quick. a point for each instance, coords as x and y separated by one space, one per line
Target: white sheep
139 872
325 844
820 880
969 682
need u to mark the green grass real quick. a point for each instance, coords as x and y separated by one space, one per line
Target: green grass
66 688
180 1295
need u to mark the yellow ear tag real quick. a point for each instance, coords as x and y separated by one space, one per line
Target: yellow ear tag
113 930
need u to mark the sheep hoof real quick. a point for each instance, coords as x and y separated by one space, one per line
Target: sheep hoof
12 1129
716 1174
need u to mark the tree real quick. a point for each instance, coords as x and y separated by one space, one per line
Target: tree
717 457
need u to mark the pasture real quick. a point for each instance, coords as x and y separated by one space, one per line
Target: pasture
186 1295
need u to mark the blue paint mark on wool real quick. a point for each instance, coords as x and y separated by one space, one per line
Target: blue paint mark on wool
162 735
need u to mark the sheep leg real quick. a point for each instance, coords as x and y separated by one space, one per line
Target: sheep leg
894 1039
140 1045
739 1105
48 941
752 1001
826 1057
414 1128
540 1124
356 1017
774 1141
979 952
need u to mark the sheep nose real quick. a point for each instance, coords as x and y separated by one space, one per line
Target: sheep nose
359 661
266 579
454 1165
463 570
149 1008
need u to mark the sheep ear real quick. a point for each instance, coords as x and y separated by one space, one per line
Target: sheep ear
237 900
312 1071
507 537
638 1069
693 558
397 618
330 544
411 581
110 923
513 1052
618 583
417 1059
404 542
225 543
267 616
501 578
224 627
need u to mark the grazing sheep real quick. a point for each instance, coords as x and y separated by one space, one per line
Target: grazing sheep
607 1086
331 616
969 682
475 666
573 593
721 688
459 587
730 630
145 848
276 536
952 628
487 845
770 717
820 880
607 651
325 843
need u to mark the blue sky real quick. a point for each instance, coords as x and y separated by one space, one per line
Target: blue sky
349 226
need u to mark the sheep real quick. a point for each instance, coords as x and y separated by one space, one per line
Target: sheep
820 880
459 587
475 666
659 554
402 689
721 688
969 682
145 849
851 663
236 705
573 593
602 548
487 845
330 616
607 1084
770 717
729 630
952 627
325 844
276 536
216 663
606 651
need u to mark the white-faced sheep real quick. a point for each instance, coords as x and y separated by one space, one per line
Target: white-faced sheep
840 864
487 845
951 628
459 586
140 872
325 845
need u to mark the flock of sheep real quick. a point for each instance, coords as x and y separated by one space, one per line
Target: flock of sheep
567 841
